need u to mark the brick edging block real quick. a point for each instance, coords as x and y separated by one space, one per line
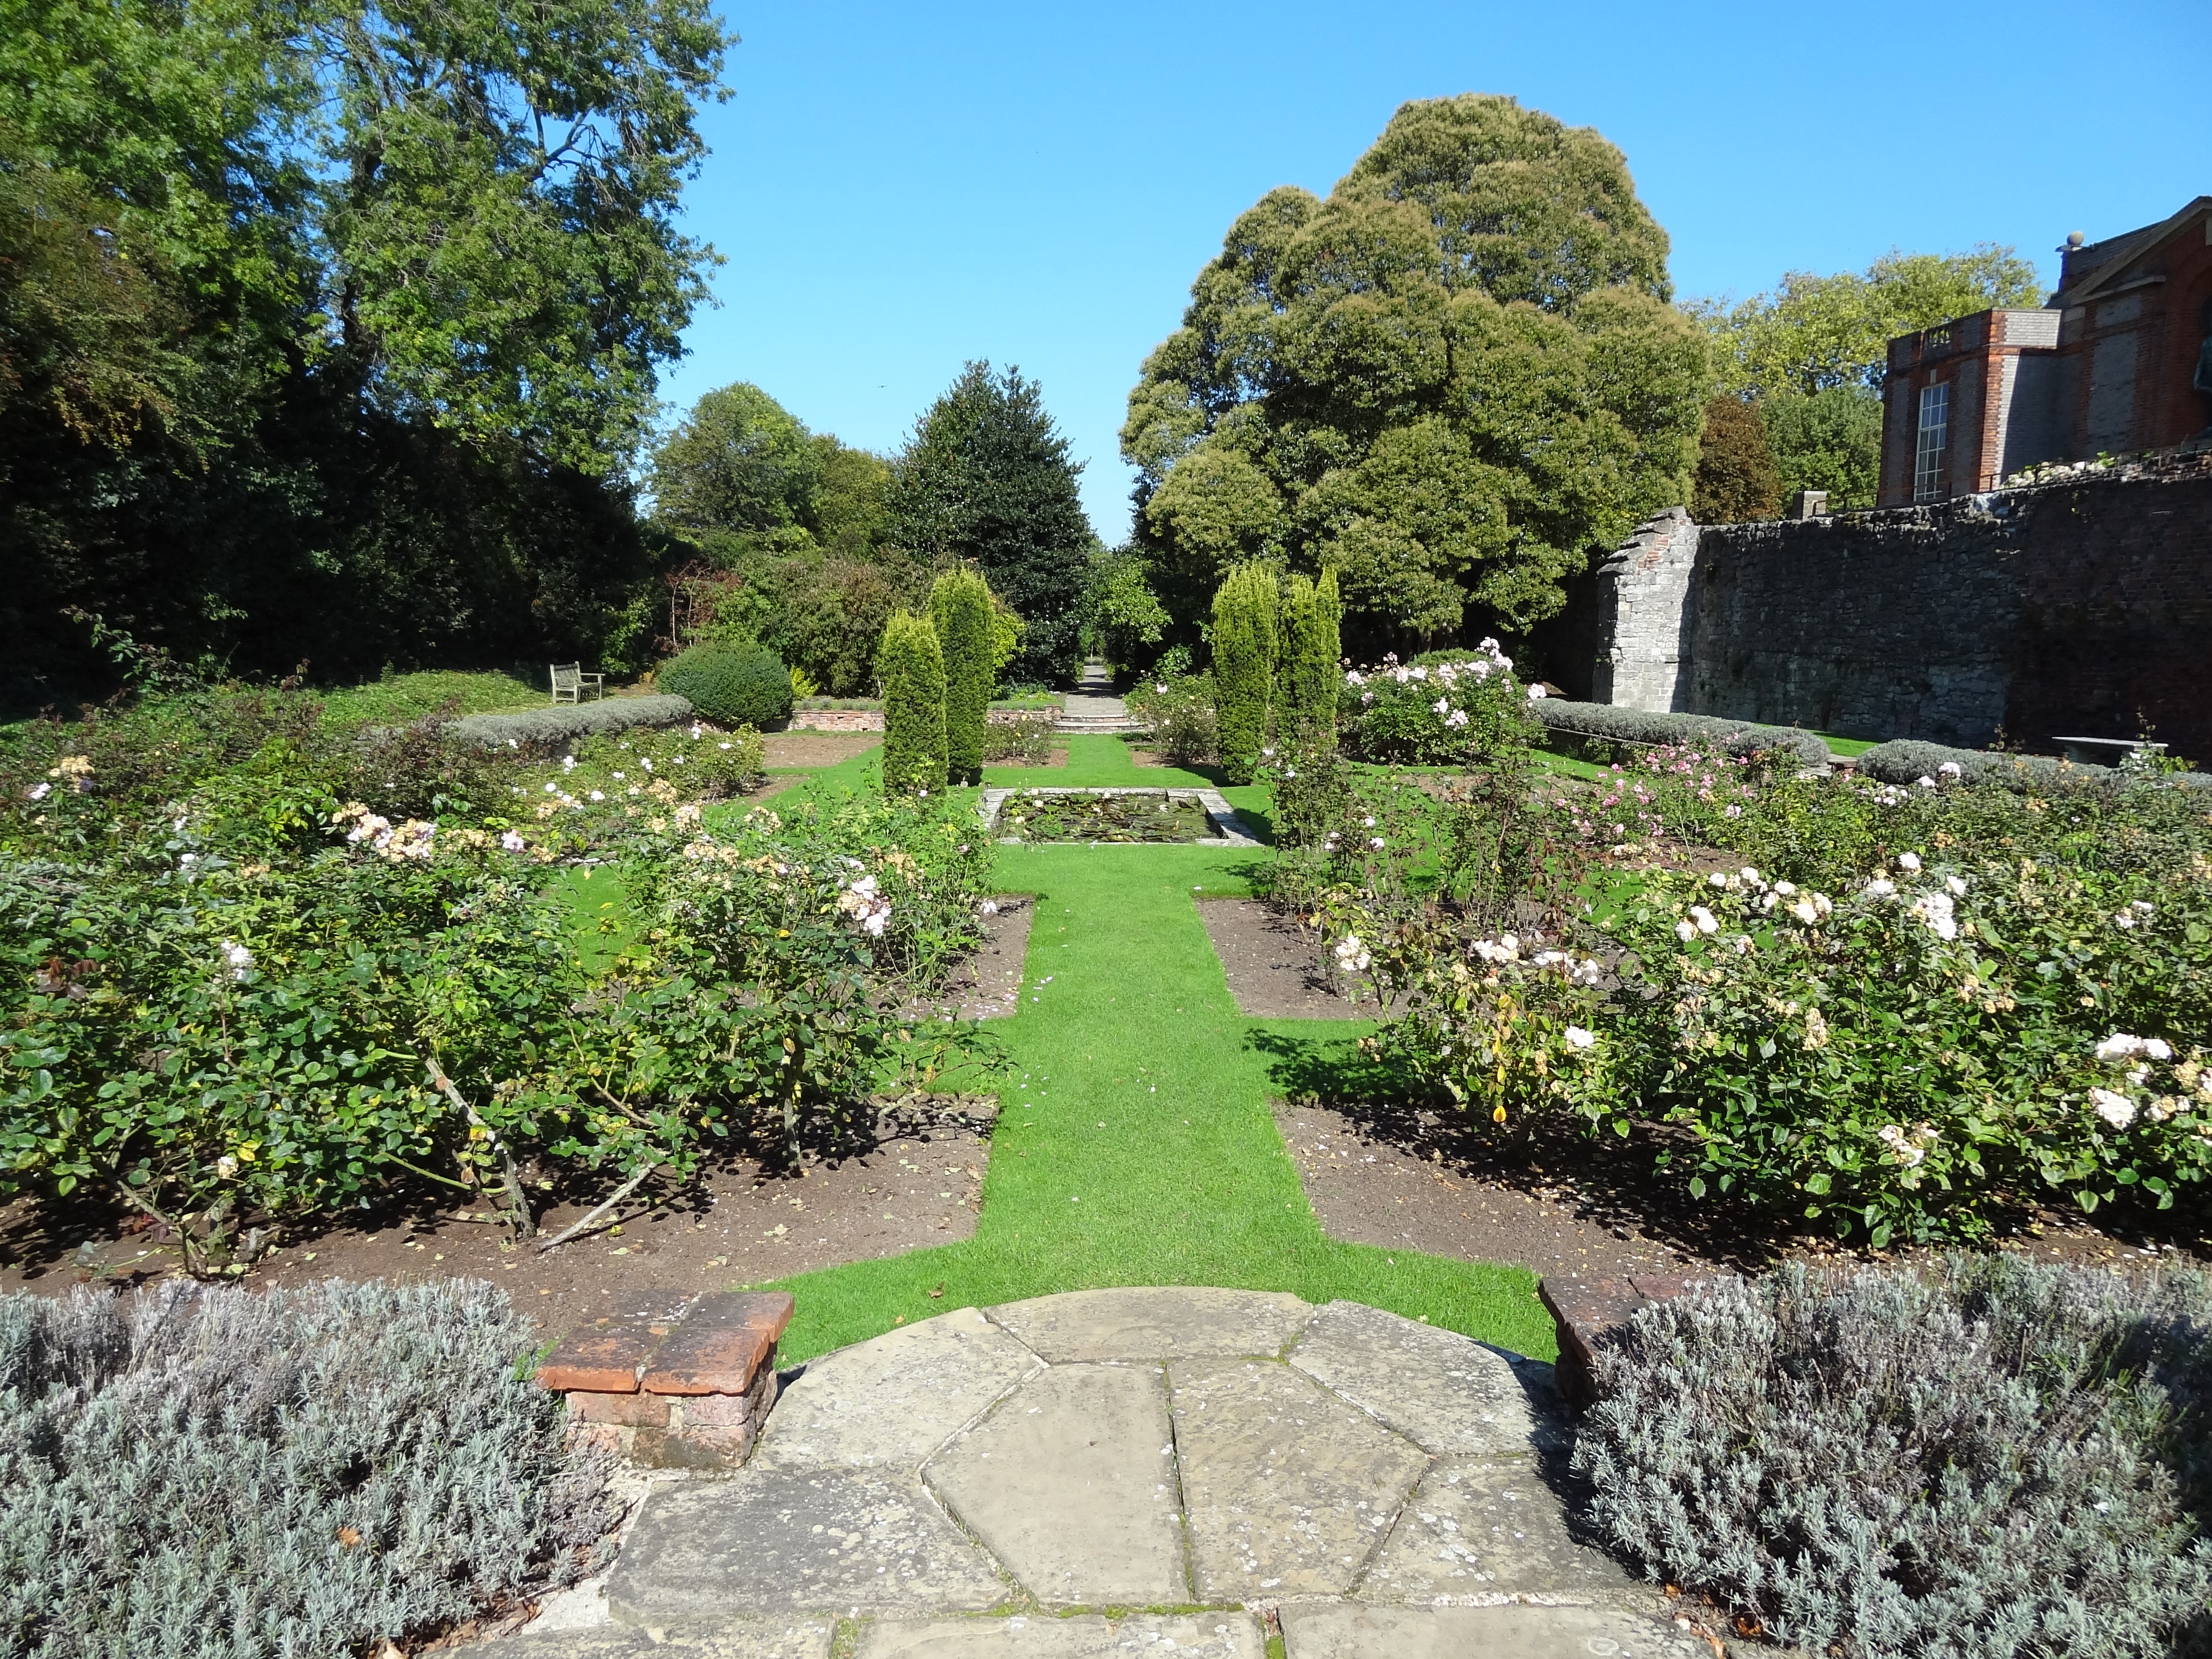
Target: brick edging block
1583 1309
687 1388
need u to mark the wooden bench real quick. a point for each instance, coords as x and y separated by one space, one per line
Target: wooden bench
569 680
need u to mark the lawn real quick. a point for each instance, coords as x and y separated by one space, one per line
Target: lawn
1135 1142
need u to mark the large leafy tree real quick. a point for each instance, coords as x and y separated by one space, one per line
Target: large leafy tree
1448 382
1813 353
986 480
330 329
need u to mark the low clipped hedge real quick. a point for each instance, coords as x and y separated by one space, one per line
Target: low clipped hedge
565 722
732 684
304 1473
1642 725
1986 1459
1906 761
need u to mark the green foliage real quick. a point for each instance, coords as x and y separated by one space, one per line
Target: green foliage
1737 479
911 666
309 1472
1446 383
960 613
731 684
1815 332
1987 1457
337 326
1828 440
742 474
1735 738
1313 674
1247 643
400 698
1182 717
1126 615
986 480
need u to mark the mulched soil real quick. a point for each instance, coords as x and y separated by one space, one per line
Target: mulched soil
916 1182
987 985
1274 966
816 748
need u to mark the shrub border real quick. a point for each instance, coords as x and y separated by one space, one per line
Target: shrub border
552 724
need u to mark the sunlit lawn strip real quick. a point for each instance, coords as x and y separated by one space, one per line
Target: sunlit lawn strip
1135 1144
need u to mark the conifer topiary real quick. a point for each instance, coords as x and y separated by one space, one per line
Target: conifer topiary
1311 646
911 666
1246 639
960 612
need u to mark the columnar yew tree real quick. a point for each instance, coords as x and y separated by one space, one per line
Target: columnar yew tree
1245 645
1312 672
986 480
960 612
1448 382
911 666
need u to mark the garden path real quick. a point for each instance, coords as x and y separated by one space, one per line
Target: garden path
1092 707
1205 1472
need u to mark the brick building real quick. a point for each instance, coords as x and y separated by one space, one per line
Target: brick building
2119 362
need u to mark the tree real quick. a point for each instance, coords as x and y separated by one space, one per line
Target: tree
1815 332
1736 481
1312 671
1830 439
986 480
1246 641
911 667
1126 618
1447 383
739 462
960 612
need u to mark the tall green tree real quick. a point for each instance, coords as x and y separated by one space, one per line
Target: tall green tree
1736 482
1312 649
1448 382
1828 439
986 480
738 462
1247 641
960 612
382 299
1127 620
910 665
1815 332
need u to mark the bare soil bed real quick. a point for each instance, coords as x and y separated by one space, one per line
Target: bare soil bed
1274 967
987 985
747 1219
812 749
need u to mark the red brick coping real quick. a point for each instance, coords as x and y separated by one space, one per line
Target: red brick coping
685 1385
1583 1309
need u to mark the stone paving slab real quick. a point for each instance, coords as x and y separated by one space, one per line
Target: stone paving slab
1349 1630
830 1541
1288 1490
890 1403
1205 1636
1479 1529
1443 1391
1072 1485
1135 1324
780 1638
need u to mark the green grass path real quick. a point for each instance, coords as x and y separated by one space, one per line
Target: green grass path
1135 1145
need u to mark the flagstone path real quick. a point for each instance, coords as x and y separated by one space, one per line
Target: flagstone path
1155 1472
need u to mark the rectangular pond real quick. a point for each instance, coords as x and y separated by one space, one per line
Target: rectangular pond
1109 817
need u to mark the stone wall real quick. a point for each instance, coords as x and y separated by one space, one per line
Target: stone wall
2078 607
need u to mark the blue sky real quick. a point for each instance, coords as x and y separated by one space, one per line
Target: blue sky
900 189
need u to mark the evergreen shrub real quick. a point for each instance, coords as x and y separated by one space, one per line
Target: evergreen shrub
216 1472
960 612
1247 641
732 684
1989 1458
911 666
1906 761
1640 726
1312 675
